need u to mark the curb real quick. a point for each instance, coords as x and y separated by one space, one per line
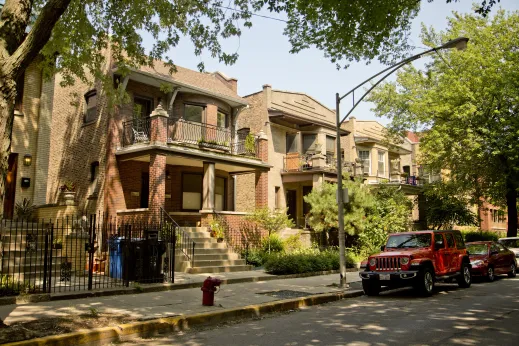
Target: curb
103 336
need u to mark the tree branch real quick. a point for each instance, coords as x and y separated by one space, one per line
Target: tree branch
37 37
13 21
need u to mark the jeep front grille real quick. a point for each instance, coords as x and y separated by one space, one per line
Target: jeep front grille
388 263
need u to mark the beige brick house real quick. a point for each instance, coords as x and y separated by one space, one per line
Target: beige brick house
301 147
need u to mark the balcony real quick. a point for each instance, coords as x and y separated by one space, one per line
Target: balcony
191 134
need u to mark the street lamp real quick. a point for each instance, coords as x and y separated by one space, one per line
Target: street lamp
459 43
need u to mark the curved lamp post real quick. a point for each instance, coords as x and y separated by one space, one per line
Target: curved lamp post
459 43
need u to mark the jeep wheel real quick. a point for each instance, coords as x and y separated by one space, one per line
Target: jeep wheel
371 288
465 279
490 274
512 272
425 282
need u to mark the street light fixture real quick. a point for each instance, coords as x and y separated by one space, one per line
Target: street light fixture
459 43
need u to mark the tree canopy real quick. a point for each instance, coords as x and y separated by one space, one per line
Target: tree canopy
465 104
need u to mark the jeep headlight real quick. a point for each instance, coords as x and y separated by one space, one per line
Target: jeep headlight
372 262
404 261
476 263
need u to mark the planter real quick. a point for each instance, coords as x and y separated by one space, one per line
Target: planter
69 197
219 240
57 246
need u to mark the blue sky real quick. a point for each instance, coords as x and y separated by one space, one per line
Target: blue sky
265 59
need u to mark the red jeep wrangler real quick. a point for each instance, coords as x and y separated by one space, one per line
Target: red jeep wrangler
418 259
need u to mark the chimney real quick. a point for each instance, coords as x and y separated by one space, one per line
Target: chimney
267 90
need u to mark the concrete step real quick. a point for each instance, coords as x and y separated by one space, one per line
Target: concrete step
218 263
210 245
225 256
194 229
203 239
198 234
219 269
214 251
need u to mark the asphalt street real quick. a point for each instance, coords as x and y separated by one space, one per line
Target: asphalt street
484 314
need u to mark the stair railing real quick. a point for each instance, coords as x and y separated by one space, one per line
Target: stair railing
181 239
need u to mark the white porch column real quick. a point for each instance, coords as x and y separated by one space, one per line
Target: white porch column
208 186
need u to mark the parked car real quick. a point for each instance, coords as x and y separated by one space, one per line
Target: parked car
489 258
418 259
511 243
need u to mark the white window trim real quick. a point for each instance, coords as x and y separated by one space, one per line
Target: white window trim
369 158
383 161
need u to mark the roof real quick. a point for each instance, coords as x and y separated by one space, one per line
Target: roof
413 137
201 80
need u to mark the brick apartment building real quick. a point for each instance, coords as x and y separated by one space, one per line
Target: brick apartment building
179 149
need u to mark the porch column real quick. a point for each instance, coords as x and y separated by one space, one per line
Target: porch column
208 186
262 197
157 185
159 126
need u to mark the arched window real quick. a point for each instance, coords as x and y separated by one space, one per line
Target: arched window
90 106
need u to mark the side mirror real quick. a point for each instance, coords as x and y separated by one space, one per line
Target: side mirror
382 248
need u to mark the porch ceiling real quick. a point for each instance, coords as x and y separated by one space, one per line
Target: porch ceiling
191 162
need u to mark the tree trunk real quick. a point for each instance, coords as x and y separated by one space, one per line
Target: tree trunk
7 96
511 204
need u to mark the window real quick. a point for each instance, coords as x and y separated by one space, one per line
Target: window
91 106
221 119
242 133
194 113
330 145
219 194
142 107
381 163
438 241
192 191
18 103
308 142
450 240
365 158
292 146
407 170
460 244
277 191
94 171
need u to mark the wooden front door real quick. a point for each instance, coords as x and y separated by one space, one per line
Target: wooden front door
292 205
10 186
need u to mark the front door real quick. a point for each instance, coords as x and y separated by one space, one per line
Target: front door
145 190
292 205
10 186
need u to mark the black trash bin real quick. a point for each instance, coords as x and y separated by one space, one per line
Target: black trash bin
148 258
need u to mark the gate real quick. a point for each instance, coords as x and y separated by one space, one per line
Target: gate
83 253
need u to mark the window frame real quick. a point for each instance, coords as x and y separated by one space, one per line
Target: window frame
203 119
451 237
143 98
334 145
226 114
20 88
316 135
296 141
379 152
182 190
88 95
368 159
224 206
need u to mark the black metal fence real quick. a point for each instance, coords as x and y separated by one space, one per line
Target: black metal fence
84 253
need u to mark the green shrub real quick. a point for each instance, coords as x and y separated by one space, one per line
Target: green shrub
11 287
304 261
480 236
293 243
276 244
254 257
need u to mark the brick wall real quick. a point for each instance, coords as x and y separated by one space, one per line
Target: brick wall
157 184
240 231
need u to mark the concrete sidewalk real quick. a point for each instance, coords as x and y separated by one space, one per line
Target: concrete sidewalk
181 302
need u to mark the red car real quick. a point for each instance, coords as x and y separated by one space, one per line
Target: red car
489 258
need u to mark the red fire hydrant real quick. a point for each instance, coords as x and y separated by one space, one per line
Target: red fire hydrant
208 290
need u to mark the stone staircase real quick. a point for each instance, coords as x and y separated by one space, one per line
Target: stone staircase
211 256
